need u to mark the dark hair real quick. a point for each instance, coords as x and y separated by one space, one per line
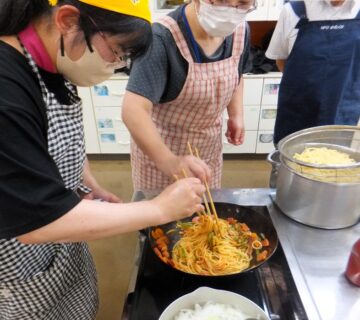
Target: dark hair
15 15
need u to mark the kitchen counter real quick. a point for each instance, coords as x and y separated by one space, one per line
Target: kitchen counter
317 258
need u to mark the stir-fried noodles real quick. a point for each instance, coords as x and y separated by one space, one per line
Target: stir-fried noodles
206 248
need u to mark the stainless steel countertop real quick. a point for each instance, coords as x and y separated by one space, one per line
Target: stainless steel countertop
317 258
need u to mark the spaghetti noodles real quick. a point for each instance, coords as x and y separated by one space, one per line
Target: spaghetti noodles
202 251
326 156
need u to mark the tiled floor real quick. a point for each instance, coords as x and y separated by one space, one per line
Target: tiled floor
114 257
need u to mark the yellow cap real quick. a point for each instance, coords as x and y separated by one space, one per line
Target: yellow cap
135 8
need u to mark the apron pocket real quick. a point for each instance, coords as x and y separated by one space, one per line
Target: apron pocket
43 290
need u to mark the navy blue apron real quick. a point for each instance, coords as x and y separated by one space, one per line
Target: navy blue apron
321 80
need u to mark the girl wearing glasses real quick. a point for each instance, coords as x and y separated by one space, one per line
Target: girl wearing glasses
178 91
46 271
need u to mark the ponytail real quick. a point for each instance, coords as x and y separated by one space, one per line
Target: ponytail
15 15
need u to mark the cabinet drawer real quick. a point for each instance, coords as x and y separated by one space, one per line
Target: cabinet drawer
265 142
247 147
109 93
252 91
108 118
267 118
117 141
91 138
251 117
270 91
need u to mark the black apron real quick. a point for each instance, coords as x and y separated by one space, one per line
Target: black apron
321 80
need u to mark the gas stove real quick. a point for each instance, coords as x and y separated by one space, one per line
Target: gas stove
279 286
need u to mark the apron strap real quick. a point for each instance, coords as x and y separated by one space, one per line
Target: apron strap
238 41
300 10
180 41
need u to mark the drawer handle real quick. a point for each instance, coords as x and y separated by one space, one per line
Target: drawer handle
117 94
124 143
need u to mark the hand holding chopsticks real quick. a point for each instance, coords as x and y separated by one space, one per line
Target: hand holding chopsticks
213 209
193 166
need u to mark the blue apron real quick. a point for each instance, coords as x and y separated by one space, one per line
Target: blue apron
321 80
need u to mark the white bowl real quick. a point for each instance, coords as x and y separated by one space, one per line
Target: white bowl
205 294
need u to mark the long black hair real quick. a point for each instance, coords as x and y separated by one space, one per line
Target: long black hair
15 15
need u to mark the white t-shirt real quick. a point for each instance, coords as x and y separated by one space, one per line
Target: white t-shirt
285 32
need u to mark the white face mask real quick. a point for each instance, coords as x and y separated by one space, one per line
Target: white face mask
219 21
89 70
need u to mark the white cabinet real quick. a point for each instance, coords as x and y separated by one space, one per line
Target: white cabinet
260 106
261 12
114 141
114 137
91 138
162 7
270 91
249 145
251 117
269 99
252 91
109 93
108 118
265 141
106 133
267 117
251 120
266 10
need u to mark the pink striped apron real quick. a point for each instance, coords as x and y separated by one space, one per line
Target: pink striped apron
194 116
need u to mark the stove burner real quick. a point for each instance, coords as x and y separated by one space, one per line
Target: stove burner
270 286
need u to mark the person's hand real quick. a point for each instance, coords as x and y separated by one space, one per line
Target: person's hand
193 167
235 130
97 192
100 193
180 200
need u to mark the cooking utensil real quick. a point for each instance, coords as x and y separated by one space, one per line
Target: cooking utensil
257 222
206 294
323 196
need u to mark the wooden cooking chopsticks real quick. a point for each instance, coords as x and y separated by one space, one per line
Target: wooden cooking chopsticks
207 191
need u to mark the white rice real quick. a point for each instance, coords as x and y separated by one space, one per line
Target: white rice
211 311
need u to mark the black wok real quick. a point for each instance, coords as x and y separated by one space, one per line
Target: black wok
256 221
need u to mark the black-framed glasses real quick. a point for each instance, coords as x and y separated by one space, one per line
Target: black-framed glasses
122 59
242 6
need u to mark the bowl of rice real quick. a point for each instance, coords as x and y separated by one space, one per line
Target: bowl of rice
212 304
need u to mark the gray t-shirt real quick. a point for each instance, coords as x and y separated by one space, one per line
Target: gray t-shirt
161 73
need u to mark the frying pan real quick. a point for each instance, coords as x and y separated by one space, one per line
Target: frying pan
256 221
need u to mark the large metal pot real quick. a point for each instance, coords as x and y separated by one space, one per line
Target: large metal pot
329 197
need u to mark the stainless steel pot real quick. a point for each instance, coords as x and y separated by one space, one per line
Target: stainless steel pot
329 197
